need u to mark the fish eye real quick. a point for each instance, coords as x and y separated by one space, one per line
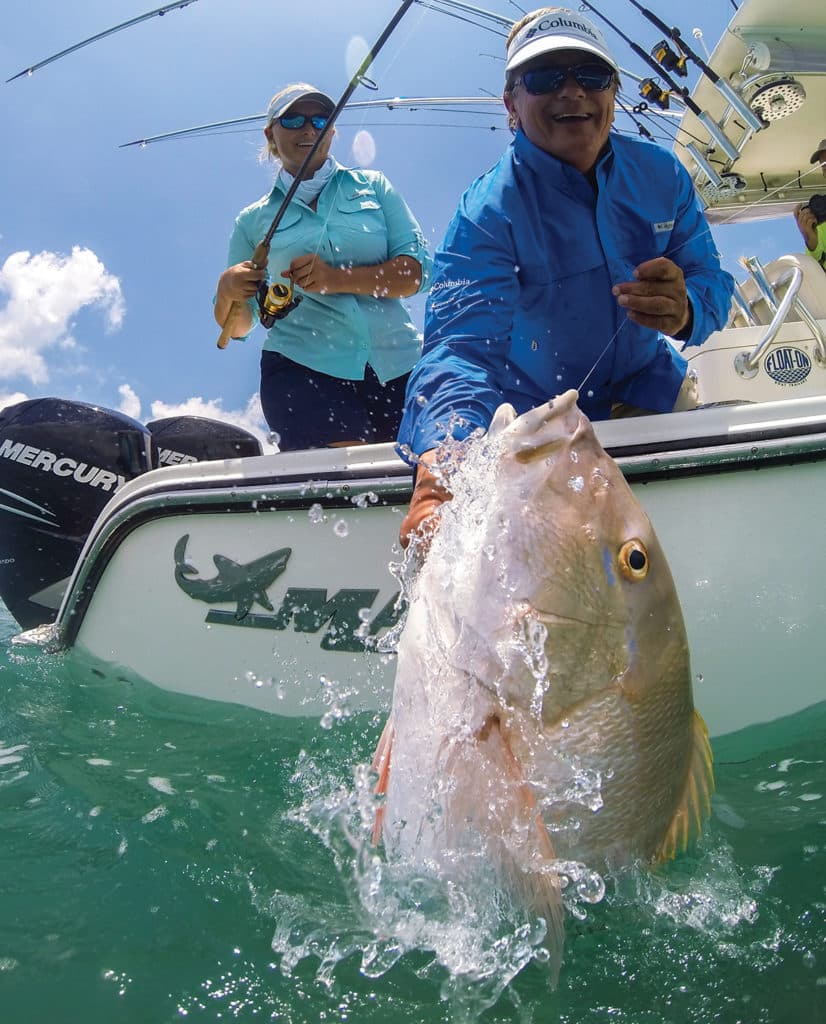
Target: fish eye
633 560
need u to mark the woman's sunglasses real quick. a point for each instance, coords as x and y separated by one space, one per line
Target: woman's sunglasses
591 77
294 121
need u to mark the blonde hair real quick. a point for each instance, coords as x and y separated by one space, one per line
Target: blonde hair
269 151
519 25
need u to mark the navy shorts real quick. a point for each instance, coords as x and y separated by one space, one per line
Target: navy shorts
308 409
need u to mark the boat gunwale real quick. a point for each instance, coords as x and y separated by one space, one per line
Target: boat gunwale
802 440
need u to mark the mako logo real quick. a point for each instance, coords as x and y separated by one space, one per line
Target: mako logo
304 610
60 465
788 365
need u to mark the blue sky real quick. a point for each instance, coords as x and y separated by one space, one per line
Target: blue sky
109 257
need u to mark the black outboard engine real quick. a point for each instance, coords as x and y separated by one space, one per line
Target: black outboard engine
60 463
179 439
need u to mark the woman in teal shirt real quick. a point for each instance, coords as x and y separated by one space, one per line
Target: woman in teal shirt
334 370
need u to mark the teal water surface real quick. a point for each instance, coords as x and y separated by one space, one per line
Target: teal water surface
166 859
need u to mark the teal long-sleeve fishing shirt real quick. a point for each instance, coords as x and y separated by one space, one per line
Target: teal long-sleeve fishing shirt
359 220
520 307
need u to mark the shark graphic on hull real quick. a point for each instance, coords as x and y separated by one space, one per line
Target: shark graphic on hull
246 584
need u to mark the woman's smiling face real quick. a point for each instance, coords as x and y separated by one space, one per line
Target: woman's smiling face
570 123
293 144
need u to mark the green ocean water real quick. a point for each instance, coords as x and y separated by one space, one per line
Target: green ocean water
166 859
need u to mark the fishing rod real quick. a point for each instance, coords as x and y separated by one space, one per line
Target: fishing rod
392 103
158 13
457 9
732 98
714 130
276 301
444 104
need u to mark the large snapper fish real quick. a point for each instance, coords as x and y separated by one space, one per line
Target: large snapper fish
542 710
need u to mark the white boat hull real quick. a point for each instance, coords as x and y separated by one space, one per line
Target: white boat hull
734 493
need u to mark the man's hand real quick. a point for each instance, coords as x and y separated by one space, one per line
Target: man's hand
428 494
807 225
313 274
657 297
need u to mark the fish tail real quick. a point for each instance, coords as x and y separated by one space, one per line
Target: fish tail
381 764
695 805
492 795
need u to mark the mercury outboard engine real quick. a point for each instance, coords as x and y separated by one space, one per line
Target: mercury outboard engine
179 439
60 463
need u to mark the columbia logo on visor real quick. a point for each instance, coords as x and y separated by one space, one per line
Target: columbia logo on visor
547 24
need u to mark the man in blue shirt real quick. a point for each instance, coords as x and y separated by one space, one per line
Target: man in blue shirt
570 259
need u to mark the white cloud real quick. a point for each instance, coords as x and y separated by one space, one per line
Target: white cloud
45 292
12 399
250 418
130 404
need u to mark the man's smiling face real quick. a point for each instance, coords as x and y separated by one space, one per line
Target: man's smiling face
570 123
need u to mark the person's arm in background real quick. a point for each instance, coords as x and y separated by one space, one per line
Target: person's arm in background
405 272
807 225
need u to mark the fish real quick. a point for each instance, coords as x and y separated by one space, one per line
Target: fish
245 583
542 707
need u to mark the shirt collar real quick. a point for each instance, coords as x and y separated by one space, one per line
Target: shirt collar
556 172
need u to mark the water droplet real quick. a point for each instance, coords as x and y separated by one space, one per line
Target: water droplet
340 528
591 887
577 483
315 513
699 677
274 438
421 400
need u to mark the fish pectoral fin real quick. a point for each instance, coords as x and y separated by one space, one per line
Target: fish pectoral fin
497 802
695 805
243 607
381 764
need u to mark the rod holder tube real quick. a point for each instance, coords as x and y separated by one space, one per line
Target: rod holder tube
704 165
719 136
737 103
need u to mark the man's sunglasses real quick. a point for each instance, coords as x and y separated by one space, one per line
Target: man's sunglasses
591 77
294 121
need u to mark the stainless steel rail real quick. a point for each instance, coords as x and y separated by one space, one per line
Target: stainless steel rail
746 363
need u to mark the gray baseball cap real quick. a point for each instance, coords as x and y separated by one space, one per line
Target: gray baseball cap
281 103
816 155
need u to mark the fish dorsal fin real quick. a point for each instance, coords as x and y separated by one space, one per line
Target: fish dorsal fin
224 564
695 804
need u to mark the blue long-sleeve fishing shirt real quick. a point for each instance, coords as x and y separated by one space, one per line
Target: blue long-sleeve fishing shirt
520 305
